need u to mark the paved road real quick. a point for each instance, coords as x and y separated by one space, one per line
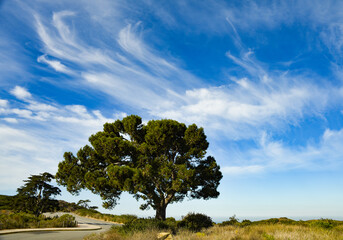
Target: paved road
60 235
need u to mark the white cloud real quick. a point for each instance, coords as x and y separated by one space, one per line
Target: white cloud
21 93
36 106
24 113
240 110
57 65
79 110
3 103
134 74
276 156
10 120
45 132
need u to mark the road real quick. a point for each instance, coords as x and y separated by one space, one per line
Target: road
61 235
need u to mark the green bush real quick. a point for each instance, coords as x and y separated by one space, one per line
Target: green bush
245 222
142 224
323 223
195 222
232 221
65 220
26 220
282 220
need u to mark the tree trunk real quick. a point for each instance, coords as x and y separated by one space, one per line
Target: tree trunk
161 212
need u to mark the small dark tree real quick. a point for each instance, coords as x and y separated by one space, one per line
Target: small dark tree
35 196
83 203
161 162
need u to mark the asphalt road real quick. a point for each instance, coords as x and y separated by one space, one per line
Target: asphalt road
60 235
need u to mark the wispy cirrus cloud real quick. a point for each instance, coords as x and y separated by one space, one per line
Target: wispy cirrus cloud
153 83
139 76
133 74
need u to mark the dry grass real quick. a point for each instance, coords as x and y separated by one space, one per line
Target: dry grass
254 232
265 232
113 235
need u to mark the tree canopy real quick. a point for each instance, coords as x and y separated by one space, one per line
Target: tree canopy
161 162
35 195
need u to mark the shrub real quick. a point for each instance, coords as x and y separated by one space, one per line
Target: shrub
282 220
66 220
245 222
125 218
26 220
195 222
324 223
142 224
232 221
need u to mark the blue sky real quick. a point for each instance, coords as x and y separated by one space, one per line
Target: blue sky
264 79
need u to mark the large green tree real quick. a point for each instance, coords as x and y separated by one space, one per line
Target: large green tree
36 195
161 162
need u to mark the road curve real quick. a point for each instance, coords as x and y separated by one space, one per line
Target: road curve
61 235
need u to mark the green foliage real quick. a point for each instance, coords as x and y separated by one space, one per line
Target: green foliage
161 163
147 224
64 206
27 220
83 203
66 220
195 222
6 202
245 223
282 220
232 221
35 196
142 224
324 223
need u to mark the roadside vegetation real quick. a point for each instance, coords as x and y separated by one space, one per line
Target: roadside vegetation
199 226
25 210
11 220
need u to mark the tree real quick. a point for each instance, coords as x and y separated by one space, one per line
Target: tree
161 162
34 196
83 203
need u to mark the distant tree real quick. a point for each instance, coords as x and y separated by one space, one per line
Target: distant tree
93 207
83 203
35 196
67 207
161 162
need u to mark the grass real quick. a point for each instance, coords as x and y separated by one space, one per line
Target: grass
112 234
9 220
271 229
265 232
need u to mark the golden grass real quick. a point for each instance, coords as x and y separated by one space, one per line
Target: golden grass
265 232
253 232
113 235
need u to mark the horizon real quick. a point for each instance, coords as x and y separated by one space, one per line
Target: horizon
263 78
